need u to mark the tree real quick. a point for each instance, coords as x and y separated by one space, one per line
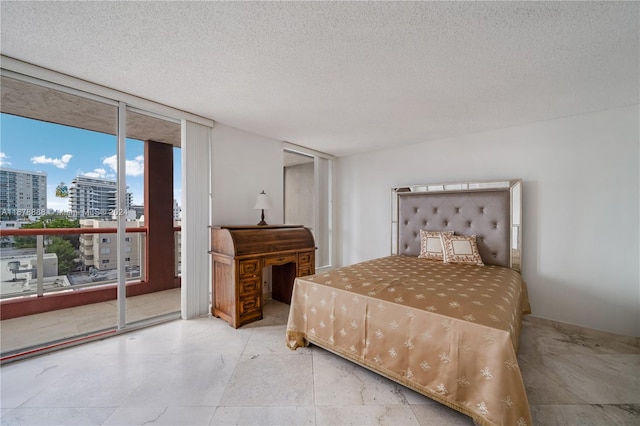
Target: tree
53 221
5 241
66 254
50 221
24 242
64 246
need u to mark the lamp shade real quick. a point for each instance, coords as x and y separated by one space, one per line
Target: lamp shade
263 202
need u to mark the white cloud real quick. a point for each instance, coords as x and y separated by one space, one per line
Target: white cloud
3 159
134 167
97 173
59 204
60 163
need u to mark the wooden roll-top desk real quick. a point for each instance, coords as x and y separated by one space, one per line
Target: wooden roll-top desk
239 254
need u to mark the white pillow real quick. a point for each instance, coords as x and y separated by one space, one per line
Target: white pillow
460 249
431 244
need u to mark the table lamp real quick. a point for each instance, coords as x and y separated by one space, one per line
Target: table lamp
262 203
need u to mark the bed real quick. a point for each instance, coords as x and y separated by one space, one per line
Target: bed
447 329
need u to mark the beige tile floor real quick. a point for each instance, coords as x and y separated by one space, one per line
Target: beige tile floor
203 372
39 329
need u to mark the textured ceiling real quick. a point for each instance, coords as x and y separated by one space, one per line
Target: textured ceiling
45 104
344 77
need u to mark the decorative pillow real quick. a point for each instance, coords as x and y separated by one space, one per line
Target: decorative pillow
460 249
431 244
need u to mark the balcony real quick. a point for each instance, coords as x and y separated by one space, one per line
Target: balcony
32 288
49 329
156 269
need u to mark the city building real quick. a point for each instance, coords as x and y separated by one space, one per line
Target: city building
94 198
177 210
7 240
100 251
138 209
18 272
22 194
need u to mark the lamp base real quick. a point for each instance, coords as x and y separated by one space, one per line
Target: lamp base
262 222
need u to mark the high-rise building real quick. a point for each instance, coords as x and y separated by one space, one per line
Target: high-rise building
94 198
22 193
177 210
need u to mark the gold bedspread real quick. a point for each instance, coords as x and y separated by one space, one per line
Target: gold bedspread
448 331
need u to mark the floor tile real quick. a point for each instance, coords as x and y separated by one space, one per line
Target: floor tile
56 416
272 415
596 379
23 380
340 382
169 416
265 380
440 415
365 415
543 390
547 340
105 382
199 386
585 415
40 329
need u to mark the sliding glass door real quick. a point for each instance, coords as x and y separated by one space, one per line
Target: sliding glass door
57 185
86 183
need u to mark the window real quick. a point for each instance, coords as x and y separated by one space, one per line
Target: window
127 249
106 250
76 107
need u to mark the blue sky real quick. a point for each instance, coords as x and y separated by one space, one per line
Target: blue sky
64 152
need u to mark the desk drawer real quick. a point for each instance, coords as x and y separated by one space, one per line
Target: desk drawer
304 258
280 260
303 271
249 286
248 305
250 268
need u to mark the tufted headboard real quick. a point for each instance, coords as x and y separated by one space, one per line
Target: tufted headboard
489 210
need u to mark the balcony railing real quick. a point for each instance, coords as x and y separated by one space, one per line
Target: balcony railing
26 275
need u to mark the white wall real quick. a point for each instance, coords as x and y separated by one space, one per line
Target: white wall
580 207
243 164
299 194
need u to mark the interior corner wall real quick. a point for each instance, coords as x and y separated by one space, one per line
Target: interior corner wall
243 164
581 207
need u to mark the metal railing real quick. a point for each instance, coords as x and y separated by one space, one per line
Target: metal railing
18 279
